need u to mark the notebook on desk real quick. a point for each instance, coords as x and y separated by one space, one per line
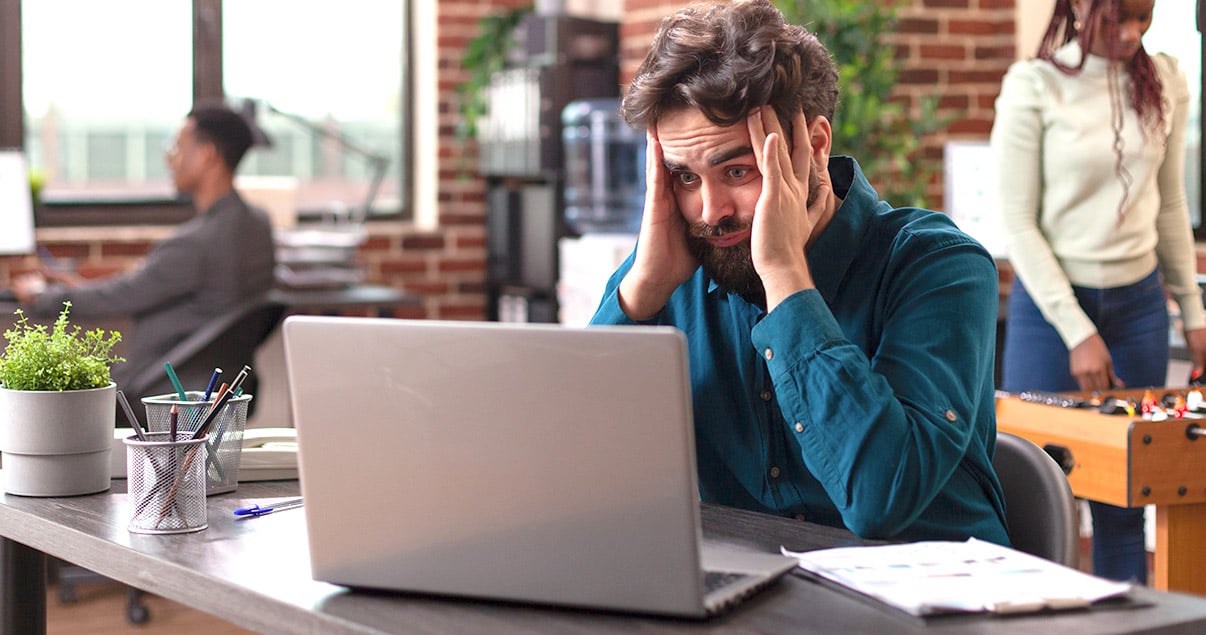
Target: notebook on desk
511 462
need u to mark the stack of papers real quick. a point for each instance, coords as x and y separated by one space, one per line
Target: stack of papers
269 454
927 578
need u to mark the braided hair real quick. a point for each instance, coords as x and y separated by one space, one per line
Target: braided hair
1146 96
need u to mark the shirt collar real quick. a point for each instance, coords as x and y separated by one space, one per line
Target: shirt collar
228 200
842 239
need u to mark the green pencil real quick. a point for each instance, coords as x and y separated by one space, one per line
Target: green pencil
171 373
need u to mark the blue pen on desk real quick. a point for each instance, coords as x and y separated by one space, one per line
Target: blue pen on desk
260 510
213 379
171 373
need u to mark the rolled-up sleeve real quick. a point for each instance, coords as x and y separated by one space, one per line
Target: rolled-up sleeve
884 434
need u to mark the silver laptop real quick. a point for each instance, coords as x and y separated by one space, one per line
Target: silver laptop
511 462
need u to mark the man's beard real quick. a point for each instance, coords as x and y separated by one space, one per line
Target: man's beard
732 268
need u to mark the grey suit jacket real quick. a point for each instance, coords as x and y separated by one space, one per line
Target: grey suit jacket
213 262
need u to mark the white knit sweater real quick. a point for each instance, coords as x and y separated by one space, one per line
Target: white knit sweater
1059 193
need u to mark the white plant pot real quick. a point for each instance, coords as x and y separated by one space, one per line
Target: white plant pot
57 443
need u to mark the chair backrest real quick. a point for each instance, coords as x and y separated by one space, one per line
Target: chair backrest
228 342
1039 505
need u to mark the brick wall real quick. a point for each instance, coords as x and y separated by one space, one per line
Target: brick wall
955 49
963 48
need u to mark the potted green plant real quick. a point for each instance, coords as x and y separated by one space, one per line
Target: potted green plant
57 406
880 131
485 55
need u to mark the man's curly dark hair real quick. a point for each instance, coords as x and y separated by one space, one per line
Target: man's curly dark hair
728 58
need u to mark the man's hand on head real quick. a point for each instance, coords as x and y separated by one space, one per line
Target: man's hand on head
784 222
662 260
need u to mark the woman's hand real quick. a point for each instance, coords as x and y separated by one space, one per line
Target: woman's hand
1092 366
1195 341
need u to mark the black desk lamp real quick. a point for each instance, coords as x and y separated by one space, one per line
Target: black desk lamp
377 162
321 257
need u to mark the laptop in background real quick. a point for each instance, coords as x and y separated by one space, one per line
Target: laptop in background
16 205
530 463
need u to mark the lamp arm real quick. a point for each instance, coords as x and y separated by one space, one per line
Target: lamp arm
343 139
379 165
379 162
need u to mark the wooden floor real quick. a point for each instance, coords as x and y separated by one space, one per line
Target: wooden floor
101 610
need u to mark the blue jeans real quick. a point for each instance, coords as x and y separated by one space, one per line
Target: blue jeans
1133 321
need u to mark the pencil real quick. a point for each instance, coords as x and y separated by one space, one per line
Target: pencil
171 373
160 473
170 500
125 405
220 403
203 429
213 379
223 389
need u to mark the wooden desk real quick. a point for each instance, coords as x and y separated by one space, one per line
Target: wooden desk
370 296
256 573
378 300
1129 462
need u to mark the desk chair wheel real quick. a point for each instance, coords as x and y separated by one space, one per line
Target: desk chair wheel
67 594
67 576
136 611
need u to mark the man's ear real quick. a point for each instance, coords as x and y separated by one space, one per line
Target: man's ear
820 137
210 153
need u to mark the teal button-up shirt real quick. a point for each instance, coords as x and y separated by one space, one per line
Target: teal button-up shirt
866 402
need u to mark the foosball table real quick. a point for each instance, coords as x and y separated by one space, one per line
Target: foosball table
1114 452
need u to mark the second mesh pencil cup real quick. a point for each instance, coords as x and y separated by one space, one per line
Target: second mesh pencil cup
166 483
225 433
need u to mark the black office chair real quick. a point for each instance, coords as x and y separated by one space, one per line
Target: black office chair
1039 506
228 342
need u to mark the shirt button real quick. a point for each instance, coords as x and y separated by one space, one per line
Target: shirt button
799 516
799 427
769 354
766 395
951 416
774 472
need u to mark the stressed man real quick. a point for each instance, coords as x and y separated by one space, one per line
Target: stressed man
841 350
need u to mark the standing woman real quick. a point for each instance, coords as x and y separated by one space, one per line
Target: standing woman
1090 151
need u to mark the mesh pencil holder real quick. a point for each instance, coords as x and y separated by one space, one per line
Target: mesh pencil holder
166 483
225 445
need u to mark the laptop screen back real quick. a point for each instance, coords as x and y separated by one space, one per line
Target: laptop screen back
496 460
16 205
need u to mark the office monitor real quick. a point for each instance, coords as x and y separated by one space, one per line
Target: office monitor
16 205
